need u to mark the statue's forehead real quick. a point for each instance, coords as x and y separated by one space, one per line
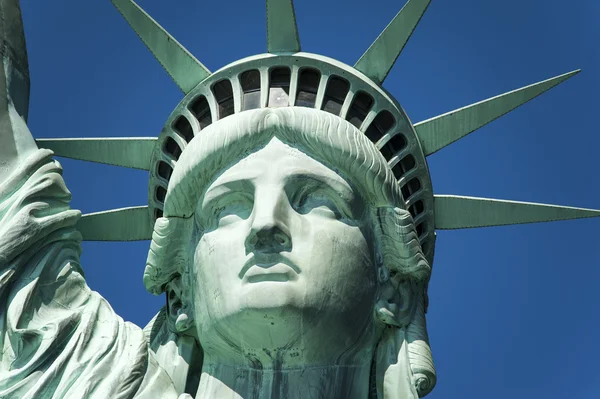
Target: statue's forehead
277 161
276 149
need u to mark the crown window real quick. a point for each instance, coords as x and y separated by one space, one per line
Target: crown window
417 208
184 129
403 166
361 105
164 170
172 148
382 123
250 81
411 187
224 95
201 111
393 146
421 228
335 94
308 85
161 193
279 87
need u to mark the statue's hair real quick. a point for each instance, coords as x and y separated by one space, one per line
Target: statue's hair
399 243
419 352
403 257
321 135
330 140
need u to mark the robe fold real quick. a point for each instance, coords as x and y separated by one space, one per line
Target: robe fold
58 338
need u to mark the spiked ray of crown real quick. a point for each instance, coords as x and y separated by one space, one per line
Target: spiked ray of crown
451 212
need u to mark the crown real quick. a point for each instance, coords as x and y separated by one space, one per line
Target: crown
287 77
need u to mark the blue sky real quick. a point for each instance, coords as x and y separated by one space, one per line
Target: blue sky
513 309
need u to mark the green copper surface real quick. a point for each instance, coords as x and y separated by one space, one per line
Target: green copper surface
380 57
257 211
15 141
130 152
125 224
14 74
459 212
441 131
282 31
179 63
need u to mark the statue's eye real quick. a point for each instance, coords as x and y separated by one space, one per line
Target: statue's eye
231 210
318 203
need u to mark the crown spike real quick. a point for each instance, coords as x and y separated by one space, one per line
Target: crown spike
129 152
459 212
282 30
381 56
182 66
124 224
441 131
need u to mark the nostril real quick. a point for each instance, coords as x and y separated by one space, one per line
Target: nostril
253 240
271 239
280 239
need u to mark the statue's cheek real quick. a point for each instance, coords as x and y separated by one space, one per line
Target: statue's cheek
339 252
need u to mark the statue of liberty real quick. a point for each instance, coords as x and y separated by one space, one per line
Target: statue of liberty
292 223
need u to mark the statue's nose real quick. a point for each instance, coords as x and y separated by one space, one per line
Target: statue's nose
269 239
269 232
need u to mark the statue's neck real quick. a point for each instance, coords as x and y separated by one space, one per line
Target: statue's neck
244 381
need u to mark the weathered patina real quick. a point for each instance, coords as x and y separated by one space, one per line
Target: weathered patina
292 224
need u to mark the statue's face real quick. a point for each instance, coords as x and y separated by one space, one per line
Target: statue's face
284 257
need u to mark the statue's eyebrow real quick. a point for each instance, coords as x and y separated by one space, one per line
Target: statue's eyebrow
342 189
223 188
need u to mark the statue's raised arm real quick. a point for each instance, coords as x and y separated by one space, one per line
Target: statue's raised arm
58 338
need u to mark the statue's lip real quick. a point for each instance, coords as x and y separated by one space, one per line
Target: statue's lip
278 272
268 268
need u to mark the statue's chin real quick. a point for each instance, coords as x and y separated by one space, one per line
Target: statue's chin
272 292
274 324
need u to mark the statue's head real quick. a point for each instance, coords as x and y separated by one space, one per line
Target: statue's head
293 212
284 231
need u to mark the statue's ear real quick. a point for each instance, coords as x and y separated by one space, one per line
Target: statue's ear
403 269
179 307
397 301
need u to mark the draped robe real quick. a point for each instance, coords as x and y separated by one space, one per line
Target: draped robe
58 338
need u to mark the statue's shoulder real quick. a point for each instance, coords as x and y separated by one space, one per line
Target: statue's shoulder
156 383
171 356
